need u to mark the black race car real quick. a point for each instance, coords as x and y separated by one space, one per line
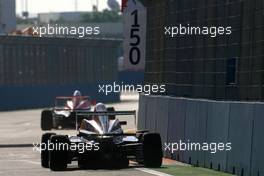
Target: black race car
106 144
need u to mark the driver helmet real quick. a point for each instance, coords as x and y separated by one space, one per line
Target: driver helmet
76 98
100 107
77 93
101 120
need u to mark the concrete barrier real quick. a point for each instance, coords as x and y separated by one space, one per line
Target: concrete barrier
240 134
258 142
201 121
142 105
195 131
162 118
151 109
217 131
190 130
176 128
54 67
235 124
41 96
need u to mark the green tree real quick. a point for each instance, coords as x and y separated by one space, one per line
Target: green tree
100 17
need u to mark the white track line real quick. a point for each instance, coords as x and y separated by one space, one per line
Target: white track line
149 171
24 161
28 161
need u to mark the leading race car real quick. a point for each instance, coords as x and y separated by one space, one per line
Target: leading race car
63 114
101 141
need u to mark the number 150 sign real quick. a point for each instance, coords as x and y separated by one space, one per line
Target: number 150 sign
135 35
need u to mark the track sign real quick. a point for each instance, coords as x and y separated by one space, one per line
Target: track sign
135 35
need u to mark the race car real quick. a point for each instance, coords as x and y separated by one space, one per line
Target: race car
108 144
63 114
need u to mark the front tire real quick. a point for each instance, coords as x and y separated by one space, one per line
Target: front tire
59 156
44 151
46 120
122 163
152 150
88 164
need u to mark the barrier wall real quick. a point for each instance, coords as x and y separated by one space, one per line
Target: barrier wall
29 97
190 129
240 133
34 70
200 121
176 129
141 122
162 123
217 127
257 144
131 77
150 121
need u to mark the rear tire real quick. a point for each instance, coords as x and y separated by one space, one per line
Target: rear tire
152 150
46 120
120 161
59 156
123 163
44 151
87 164
82 164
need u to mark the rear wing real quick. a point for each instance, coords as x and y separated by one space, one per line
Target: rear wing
67 109
85 113
70 97
62 101
106 113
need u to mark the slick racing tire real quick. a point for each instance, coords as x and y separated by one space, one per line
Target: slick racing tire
88 164
46 120
152 150
59 156
122 163
82 164
120 160
44 149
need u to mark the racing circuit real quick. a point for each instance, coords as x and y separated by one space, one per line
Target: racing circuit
23 128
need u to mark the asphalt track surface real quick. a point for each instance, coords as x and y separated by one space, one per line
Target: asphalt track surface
18 131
